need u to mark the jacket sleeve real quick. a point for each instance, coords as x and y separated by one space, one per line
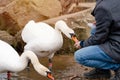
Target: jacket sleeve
103 22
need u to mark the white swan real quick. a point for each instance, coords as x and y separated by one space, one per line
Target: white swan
43 39
11 61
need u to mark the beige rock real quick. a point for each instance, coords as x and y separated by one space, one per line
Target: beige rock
3 3
16 14
49 8
5 36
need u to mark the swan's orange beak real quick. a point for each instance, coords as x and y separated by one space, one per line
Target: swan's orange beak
74 38
49 75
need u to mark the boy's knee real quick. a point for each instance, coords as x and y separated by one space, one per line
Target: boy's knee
79 57
76 56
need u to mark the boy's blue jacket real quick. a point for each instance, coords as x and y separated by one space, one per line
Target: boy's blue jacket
107 36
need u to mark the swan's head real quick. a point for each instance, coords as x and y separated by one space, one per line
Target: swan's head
42 70
63 27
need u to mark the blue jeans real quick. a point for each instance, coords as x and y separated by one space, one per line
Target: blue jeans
93 56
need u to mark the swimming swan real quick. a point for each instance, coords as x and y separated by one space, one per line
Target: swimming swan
45 40
12 62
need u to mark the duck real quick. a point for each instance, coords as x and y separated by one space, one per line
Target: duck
11 61
44 40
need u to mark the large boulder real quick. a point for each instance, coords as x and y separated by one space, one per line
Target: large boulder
49 8
15 14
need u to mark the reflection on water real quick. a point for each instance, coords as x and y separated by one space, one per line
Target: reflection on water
60 63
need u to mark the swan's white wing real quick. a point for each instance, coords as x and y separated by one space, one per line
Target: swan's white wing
45 44
33 30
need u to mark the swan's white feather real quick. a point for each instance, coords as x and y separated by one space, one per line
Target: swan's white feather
11 61
43 39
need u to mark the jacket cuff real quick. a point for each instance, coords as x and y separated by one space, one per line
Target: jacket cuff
81 43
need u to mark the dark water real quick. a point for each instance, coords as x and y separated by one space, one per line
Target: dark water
60 63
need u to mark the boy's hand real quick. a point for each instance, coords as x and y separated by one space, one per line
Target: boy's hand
77 45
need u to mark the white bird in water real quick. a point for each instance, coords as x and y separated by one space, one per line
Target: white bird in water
10 61
45 40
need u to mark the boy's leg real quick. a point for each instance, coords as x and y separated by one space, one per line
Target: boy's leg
93 56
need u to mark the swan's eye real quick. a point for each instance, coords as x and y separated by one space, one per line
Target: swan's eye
72 35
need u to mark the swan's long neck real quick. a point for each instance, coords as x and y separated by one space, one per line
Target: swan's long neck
29 55
21 63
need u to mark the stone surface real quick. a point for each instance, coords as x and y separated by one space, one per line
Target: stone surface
5 36
49 8
15 14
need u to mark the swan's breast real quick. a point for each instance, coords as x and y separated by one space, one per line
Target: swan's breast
45 44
